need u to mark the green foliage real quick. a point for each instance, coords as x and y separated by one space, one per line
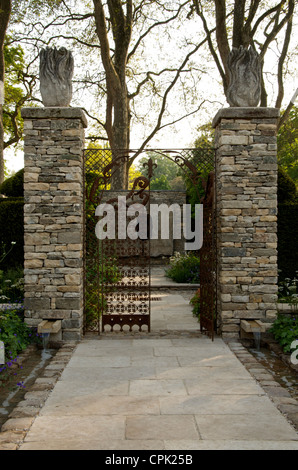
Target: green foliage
133 174
184 268
165 174
286 192
15 334
287 145
14 91
285 327
177 184
288 291
202 159
12 286
160 183
13 186
195 301
196 193
285 331
287 229
108 272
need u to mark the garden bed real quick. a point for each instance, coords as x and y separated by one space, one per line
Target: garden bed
272 345
40 374
20 377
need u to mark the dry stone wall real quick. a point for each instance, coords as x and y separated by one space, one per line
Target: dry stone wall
246 192
53 217
246 199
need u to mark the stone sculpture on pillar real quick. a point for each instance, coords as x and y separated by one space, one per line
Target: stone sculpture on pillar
244 88
56 71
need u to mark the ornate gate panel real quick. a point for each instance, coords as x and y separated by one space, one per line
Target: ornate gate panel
126 301
126 296
117 270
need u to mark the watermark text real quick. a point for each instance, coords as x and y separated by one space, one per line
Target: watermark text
135 222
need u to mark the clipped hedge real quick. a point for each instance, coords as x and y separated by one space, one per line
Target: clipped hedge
13 186
12 230
286 191
287 230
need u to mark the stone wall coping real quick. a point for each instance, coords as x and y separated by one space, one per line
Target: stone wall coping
245 113
55 113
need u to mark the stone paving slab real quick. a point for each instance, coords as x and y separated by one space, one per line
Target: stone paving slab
174 406
162 391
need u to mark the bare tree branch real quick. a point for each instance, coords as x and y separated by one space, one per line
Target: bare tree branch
165 96
285 115
210 44
150 28
282 59
277 28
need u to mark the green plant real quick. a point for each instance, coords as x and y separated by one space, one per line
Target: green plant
195 301
184 268
286 191
285 331
96 276
16 336
14 332
13 186
288 291
12 285
160 183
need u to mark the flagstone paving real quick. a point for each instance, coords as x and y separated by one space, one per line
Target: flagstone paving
173 389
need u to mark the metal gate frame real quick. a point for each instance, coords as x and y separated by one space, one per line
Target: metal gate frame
112 303
127 301
117 271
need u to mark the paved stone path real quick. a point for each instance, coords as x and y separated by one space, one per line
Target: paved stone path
173 389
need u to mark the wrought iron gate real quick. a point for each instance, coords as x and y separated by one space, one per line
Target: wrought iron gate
126 297
117 271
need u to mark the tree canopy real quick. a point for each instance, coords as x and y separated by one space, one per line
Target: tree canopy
144 66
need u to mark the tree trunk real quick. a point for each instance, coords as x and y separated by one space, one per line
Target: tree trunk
5 10
239 12
222 37
118 106
121 137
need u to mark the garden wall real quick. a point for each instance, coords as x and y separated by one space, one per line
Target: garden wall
246 191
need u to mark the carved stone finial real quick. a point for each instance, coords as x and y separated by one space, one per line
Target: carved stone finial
244 89
56 71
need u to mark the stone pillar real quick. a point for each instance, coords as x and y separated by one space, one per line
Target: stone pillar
246 187
53 217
